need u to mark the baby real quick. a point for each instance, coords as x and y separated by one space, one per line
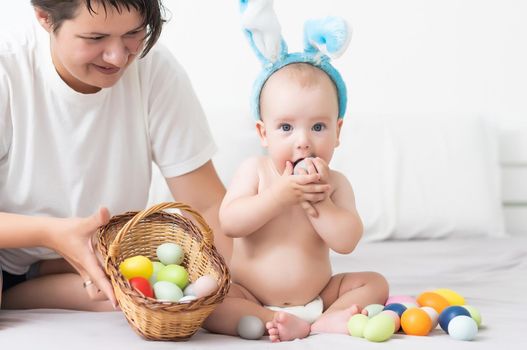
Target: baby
285 224
287 209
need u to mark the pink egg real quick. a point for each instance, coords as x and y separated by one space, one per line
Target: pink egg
434 316
396 318
401 299
205 285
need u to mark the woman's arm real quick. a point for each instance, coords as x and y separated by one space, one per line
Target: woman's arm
70 237
203 191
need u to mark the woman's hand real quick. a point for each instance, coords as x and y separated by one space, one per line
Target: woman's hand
72 238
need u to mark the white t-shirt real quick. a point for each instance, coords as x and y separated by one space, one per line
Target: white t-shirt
65 154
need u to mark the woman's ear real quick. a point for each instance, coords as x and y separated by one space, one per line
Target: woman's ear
339 127
44 18
262 134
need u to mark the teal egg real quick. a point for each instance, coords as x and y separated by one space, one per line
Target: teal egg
374 309
379 328
170 253
166 291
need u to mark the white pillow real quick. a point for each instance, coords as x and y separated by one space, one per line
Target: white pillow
423 177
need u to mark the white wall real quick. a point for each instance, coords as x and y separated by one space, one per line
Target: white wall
406 56
448 57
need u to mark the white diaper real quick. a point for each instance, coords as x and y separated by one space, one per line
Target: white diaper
309 312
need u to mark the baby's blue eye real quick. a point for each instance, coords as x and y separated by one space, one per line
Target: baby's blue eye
285 127
318 127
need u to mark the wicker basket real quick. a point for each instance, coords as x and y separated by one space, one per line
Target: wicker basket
140 233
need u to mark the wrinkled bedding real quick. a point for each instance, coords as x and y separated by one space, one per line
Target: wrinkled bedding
490 273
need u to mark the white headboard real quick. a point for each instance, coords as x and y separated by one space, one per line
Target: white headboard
513 157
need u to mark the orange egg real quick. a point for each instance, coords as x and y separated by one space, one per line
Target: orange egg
415 321
433 300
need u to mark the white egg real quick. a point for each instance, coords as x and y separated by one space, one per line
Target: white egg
187 299
170 253
300 165
434 316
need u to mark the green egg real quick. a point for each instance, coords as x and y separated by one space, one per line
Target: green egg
379 328
356 325
474 313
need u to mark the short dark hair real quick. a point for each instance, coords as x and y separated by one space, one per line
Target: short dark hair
152 11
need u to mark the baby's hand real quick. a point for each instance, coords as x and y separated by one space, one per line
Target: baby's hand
297 189
321 167
313 165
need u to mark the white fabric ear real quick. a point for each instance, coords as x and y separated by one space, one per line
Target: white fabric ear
259 18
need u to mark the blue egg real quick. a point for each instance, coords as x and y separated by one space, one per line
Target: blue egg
396 307
449 313
463 328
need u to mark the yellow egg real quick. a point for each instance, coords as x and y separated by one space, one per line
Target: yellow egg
356 325
452 297
136 266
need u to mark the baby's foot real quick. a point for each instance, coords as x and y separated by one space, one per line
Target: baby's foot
285 327
336 321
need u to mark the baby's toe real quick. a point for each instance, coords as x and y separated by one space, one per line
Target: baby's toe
273 331
274 338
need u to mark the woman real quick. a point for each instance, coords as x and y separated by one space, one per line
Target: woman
86 105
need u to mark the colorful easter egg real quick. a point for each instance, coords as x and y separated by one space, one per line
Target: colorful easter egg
356 325
415 321
449 313
434 300
463 328
452 297
474 313
379 328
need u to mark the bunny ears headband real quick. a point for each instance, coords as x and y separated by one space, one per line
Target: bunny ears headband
323 39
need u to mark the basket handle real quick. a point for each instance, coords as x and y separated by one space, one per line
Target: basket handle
208 238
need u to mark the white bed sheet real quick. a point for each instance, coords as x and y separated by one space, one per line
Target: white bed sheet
490 273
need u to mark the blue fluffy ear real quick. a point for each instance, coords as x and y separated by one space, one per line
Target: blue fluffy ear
243 5
330 35
263 30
